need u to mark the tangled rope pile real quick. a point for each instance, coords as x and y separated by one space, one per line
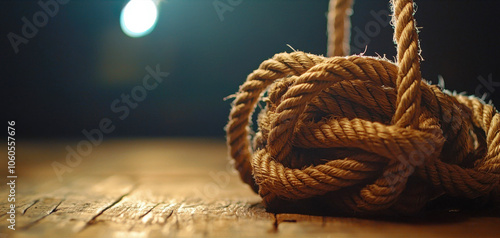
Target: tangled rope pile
361 134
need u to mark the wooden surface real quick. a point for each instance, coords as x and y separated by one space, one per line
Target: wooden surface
179 188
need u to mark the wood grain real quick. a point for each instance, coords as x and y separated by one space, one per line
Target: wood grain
181 188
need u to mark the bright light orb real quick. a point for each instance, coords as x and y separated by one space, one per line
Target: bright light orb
138 17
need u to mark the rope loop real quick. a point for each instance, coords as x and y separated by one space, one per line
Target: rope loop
360 134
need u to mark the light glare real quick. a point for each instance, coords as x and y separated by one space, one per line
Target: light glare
138 17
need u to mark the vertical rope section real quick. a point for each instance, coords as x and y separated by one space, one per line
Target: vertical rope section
409 78
361 135
339 27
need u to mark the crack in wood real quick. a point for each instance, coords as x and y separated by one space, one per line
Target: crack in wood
27 226
29 206
167 217
55 208
93 219
148 211
174 212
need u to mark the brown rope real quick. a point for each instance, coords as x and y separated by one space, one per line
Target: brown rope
339 27
361 134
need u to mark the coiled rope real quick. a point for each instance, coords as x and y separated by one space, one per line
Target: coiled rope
361 134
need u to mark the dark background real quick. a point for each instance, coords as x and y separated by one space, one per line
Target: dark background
66 77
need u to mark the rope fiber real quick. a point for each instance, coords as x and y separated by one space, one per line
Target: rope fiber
359 134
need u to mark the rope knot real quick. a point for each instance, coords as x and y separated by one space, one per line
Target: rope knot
361 134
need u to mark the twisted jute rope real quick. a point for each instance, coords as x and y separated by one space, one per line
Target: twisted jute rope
361 134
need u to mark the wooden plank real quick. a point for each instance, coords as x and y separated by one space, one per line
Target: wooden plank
181 188
447 225
36 211
76 207
219 218
163 206
141 206
422 227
